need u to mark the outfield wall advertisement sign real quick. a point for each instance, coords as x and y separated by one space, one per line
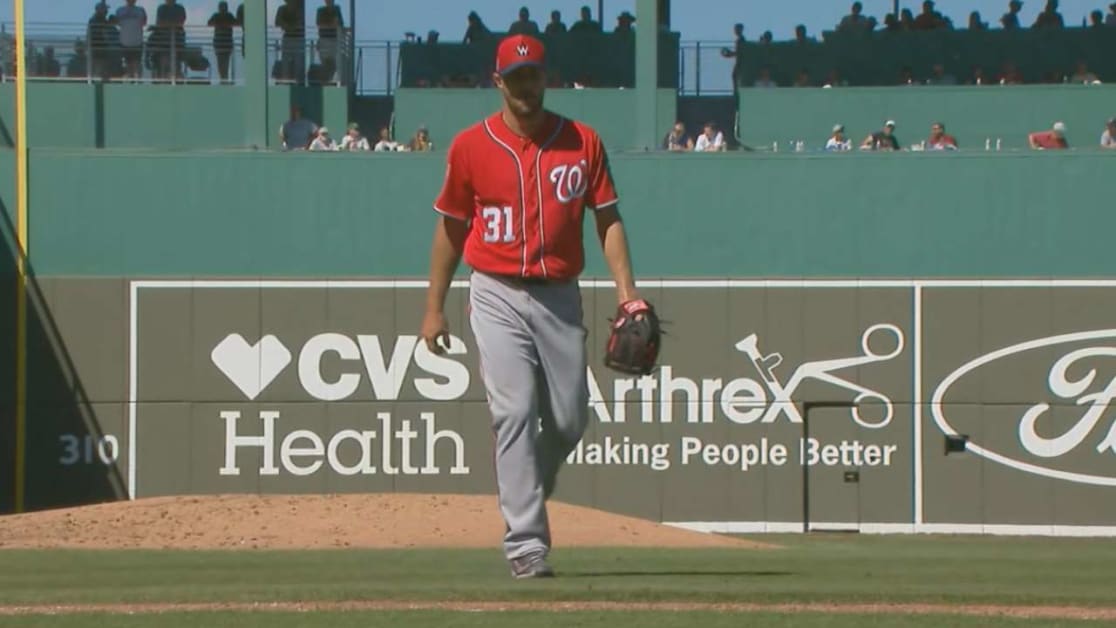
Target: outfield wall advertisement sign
885 406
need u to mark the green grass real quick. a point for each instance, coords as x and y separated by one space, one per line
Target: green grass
424 619
817 568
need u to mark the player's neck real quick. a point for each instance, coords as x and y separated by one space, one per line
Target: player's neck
524 126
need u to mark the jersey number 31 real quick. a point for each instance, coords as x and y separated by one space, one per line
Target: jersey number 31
498 225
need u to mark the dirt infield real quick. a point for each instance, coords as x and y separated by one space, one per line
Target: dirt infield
326 521
1017 612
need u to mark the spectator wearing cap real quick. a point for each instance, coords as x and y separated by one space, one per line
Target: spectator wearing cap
1010 20
837 140
939 139
624 22
324 141
353 140
711 140
884 139
1054 139
524 25
1108 138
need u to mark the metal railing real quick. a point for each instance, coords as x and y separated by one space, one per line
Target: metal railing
703 69
190 55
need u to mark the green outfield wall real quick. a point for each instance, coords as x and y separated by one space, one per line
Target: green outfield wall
971 114
967 214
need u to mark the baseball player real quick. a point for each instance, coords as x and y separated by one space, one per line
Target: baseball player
517 186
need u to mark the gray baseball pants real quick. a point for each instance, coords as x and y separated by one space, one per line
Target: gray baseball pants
531 338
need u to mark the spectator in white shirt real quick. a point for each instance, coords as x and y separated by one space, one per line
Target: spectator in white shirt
1108 138
353 140
838 141
710 140
323 142
386 144
131 20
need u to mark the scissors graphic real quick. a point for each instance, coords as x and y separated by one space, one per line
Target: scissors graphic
821 370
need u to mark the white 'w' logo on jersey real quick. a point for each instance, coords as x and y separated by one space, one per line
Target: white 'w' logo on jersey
570 181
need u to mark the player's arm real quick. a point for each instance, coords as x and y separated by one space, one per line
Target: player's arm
603 199
614 244
454 206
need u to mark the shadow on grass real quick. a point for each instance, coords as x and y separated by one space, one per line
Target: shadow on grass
673 573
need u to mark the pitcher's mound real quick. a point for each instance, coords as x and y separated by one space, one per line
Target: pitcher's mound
327 521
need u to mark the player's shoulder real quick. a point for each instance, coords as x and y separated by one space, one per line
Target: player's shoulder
583 129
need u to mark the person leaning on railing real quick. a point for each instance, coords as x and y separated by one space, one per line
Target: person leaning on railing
223 22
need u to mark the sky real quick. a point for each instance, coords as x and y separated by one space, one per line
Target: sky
695 19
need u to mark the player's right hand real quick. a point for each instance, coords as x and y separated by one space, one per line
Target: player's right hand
434 328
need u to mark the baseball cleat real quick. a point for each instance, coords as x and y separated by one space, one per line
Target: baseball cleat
531 566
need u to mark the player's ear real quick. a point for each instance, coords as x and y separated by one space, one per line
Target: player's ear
497 80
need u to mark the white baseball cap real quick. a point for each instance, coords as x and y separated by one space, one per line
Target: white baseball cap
1060 128
889 123
838 127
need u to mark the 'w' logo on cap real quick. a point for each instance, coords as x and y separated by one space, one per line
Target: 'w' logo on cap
522 49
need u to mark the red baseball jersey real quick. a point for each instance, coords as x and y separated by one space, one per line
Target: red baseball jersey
525 198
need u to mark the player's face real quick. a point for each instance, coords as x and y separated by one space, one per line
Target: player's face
523 90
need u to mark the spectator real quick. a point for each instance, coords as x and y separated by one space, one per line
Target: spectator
240 24
1054 139
170 25
298 132
292 65
764 78
421 143
939 76
803 78
853 22
837 140
1010 20
891 23
929 19
1096 19
353 140
223 22
1108 138
884 139
834 80
385 144
906 76
624 22
939 139
766 38
676 139
1110 19
131 20
48 64
476 31
1049 18
975 23
77 65
736 52
978 76
1083 75
800 36
1010 75
586 23
906 20
711 140
330 26
524 25
555 26
104 42
323 142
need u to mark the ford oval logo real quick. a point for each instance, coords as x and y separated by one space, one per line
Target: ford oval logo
1093 402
